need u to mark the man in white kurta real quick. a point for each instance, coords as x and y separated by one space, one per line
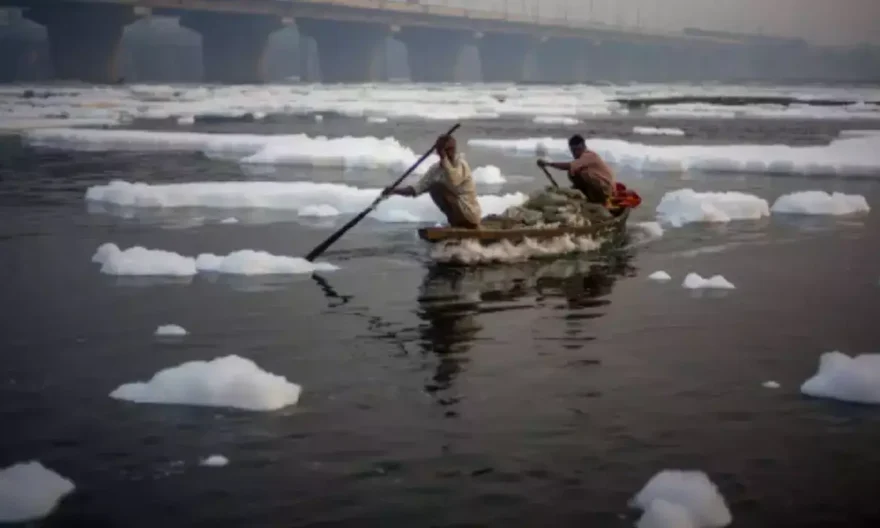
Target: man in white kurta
450 184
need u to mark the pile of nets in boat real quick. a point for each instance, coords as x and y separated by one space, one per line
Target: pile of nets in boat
550 207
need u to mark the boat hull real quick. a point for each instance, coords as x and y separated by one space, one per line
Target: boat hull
613 227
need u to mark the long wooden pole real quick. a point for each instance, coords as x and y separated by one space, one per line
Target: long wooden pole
315 253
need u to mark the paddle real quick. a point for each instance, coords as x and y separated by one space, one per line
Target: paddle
542 152
313 254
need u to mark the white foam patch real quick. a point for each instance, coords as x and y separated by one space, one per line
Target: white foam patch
841 377
678 496
250 262
318 211
29 491
377 119
820 203
770 384
652 131
171 330
186 120
694 281
490 175
685 206
294 196
214 461
362 152
230 381
651 229
663 514
555 120
230 220
660 276
473 252
857 156
141 261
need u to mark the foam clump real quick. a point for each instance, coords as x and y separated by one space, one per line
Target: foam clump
171 330
841 377
660 276
550 207
288 196
694 281
230 381
29 491
318 211
681 499
141 261
652 131
651 229
377 119
770 384
469 252
554 120
214 461
855 156
229 220
820 203
685 206
250 262
489 174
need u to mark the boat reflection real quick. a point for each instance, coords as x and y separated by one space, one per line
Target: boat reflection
454 300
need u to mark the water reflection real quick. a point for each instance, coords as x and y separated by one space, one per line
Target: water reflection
453 303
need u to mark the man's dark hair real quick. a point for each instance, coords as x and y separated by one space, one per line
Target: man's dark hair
576 140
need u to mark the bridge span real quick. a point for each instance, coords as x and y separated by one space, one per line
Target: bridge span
350 36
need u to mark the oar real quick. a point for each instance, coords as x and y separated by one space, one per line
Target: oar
542 152
384 194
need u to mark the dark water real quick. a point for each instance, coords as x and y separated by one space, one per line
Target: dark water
537 394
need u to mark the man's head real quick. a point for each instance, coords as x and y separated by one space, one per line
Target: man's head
577 145
446 144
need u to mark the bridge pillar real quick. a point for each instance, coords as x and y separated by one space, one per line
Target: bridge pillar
433 54
503 56
233 45
347 51
84 39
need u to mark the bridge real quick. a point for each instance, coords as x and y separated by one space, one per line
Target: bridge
84 40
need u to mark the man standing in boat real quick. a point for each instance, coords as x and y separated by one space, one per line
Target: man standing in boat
588 172
450 184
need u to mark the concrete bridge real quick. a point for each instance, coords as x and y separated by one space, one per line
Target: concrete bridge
84 40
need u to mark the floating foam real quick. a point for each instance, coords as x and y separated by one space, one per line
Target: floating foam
141 261
171 330
318 211
186 120
652 229
230 381
230 220
555 120
283 196
250 262
664 514
674 495
820 203
319 118
771 384
30 491
841 377
377 119
214 461
857 156
660 276
652 131
472 252
686 206
490 175
694 281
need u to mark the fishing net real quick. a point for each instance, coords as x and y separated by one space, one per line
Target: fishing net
550 207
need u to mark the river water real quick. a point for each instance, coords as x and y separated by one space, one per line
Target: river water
539 393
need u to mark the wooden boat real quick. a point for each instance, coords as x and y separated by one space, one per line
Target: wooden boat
612 228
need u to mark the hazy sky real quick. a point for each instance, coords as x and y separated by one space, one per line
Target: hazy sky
819 21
